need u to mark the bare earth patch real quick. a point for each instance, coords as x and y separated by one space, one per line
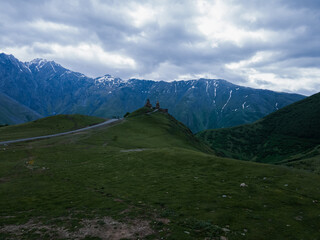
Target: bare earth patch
105 228
165 221
4 179
115 230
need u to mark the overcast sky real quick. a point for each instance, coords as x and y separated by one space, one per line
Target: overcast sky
270 44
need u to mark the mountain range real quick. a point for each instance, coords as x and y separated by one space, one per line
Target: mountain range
46 88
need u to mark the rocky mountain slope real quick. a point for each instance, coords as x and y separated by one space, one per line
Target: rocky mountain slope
48 88
12 112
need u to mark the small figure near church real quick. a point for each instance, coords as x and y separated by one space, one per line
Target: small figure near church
158 105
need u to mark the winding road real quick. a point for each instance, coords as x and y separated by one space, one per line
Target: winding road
61 134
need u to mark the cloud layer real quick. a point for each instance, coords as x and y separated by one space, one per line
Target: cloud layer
265 44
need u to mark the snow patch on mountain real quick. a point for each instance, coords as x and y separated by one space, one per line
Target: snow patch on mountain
108 80
243 105
52 67
38 63
215 84
105 78
230 94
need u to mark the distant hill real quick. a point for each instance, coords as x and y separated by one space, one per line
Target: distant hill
13 112
289 136
48 88
46 126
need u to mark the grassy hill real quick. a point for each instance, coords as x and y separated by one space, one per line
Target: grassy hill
12 112
46 126
285 136
149 178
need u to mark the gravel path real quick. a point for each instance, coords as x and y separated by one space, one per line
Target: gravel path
60 134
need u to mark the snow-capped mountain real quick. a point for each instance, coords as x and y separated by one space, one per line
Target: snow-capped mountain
48 88
108 80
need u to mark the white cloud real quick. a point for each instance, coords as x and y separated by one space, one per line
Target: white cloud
218 23
142 14
259 57
272 44
47 26
92 53
291 79
89 54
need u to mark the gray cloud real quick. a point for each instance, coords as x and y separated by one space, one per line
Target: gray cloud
270 44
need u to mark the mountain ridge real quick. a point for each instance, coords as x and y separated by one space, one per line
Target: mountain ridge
13 112
49 89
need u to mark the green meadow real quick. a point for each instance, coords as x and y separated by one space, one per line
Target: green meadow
146 177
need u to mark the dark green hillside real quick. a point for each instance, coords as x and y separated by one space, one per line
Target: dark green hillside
309 160
301 119
286 135
48 125
154 129
147 177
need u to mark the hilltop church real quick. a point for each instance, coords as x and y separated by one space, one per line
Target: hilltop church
156 108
